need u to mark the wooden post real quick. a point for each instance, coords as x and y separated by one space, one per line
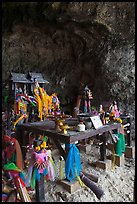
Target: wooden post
61 150
103 147
40 189
84 141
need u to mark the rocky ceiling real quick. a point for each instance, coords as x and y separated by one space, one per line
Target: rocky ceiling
73 42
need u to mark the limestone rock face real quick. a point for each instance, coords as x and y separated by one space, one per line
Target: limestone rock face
67 40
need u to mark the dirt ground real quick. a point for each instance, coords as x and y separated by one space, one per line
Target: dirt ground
117 183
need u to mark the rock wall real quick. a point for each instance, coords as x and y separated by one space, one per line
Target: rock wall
65 40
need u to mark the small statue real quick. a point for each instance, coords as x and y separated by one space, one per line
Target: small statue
64 128
55 101
114 109
58 124
101 111
87 98
20 90
60 127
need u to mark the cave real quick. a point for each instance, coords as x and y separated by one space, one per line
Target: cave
68 42
74 45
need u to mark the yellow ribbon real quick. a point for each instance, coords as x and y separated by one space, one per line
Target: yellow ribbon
19 119
80 181
61 170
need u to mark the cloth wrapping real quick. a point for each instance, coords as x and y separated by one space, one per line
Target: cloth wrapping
73 164
40 163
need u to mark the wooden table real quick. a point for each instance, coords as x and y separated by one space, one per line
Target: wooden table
47 128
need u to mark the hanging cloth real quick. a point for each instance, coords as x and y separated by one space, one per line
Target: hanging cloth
13 169
120 145
73 164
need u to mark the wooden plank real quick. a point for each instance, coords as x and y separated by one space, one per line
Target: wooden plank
119 160
130 152
106 165
71 136
70 186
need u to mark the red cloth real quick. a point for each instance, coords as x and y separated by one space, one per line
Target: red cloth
9 145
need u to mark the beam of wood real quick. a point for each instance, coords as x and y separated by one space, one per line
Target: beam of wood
61 150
